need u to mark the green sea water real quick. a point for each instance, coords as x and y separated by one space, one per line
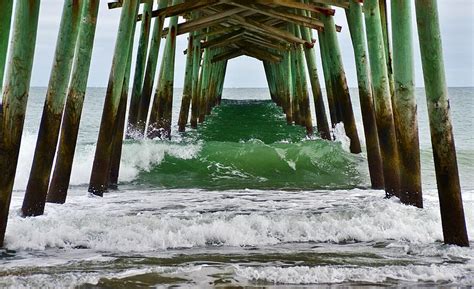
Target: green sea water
244 201
247 144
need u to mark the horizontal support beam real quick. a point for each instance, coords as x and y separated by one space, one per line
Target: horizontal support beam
119 4
297 5
184 8
285 16
203 22
260 52
230 54
224 39
338 3
271 31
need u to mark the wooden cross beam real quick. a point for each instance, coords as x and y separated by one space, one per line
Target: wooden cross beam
217 30
271 31
297 5
259 53
184 8
230 54
285 16
265 42
339 3
224 39
205 21
119 4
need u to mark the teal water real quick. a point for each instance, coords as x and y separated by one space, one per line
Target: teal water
244 200
247 144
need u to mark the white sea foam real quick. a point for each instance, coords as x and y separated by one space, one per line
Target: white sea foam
145 155
340 136
74 279
338 274
146 222
136 157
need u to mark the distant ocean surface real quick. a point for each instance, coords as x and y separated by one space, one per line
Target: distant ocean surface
244 200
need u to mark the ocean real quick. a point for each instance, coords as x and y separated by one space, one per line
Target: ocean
244 201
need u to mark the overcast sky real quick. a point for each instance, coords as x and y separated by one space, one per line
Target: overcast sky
457 27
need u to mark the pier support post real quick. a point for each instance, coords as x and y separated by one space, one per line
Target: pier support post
295 96
386 44
279 84
214 75
6 7
203 80
339 83
305 108
270 76
404 104
119 129
150 72
382 99
444 151
75 100
161 111
222 81
321 119
197 54
139 69
101 166
188 86
285 67
355 20
15 97
333 107
38 183
220 78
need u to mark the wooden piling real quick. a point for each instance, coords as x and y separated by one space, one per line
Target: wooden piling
274 80
214 72
222 68
150 71
139 69
222 82
333 115
59 184
210 81
119 129
161 111
101 166
270 76
339 83
279 78
195 89
382 99
404 104
203 80
6 7
285 69
38 183
444 151
307 121
387 47
295 96
188 86
355 21
320 110
220 78
15 96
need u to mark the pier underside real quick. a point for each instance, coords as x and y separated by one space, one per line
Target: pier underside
279 33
